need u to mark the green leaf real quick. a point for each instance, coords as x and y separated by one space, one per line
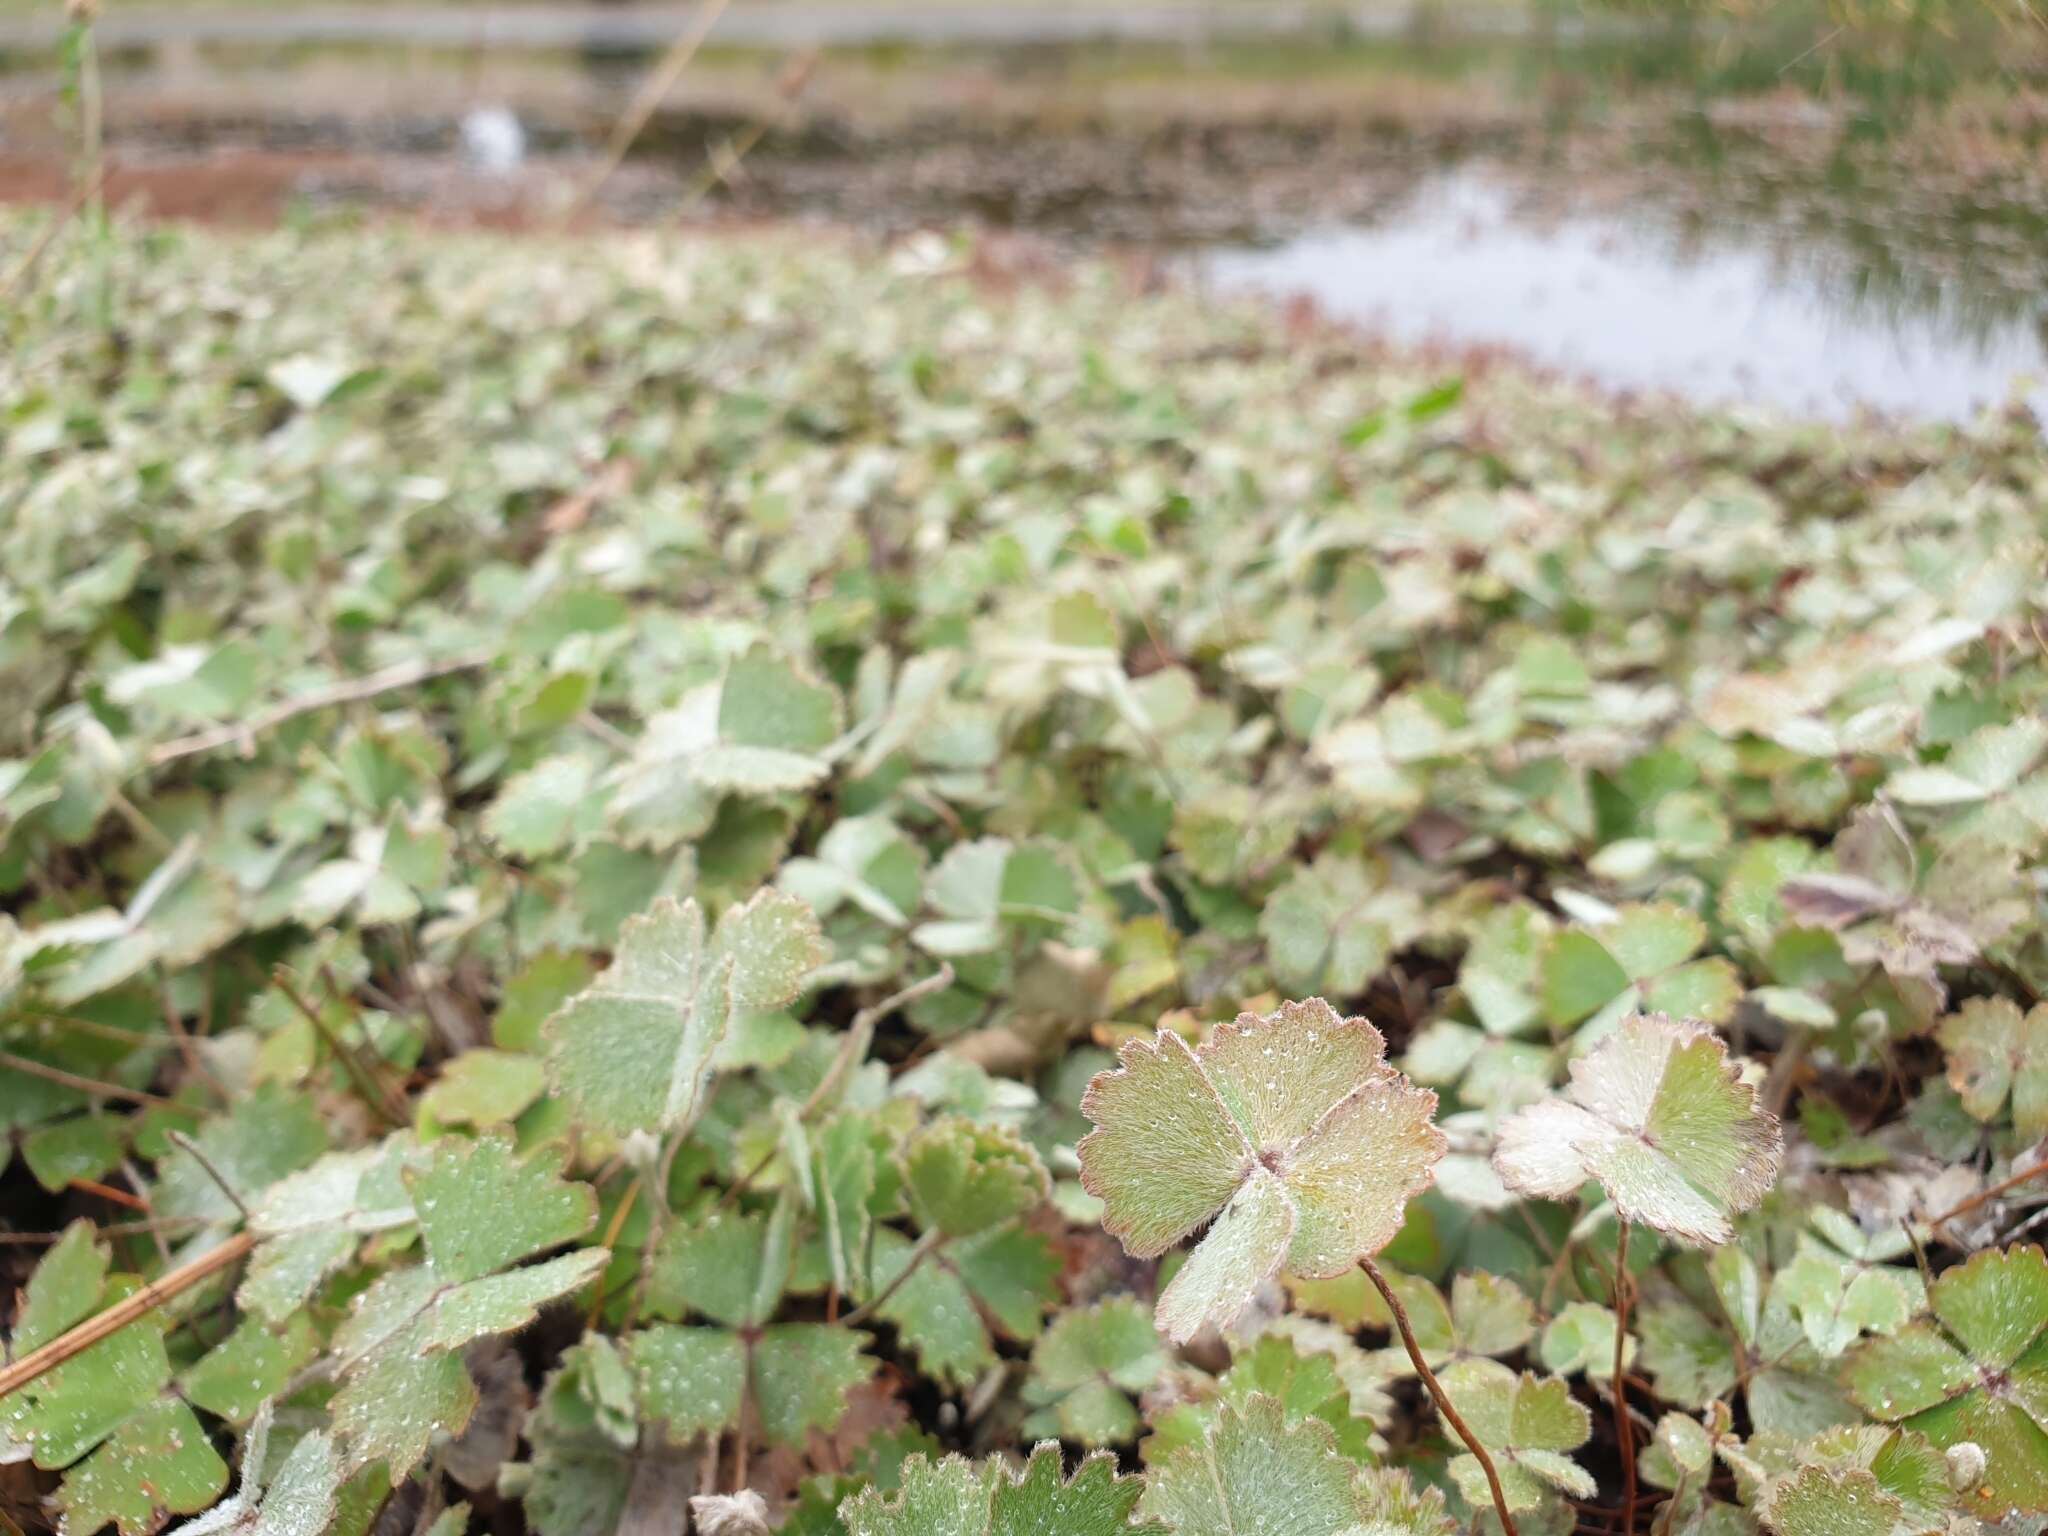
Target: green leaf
762 730
1306 1385
1994 1053
1820 1502
965 1177
731 1267
549 807
1581 1338
402 1382
481 1208
1291 1126
83 1147
1851 1475
250 1366
956 1498
1333 925
1502 968
1528 1422
1638 961
864 861
1253 1472
690 1378
72 1407
933 1312
391 1409
634 1050
802 1375
1978 1373
941 1499
1013 1273
266 1135
1086 1364
484 1087
157 1462
1657 1114
132 1452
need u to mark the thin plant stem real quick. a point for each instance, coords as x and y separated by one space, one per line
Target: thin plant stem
1985 1196
75 1341
1624 1433
376 1093
191 1148
242 734
648 99
91 1085
188 1048
852 1045
611 1235
927 1245
739 1428
1439 1396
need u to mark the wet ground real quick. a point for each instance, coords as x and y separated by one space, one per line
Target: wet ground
1820 251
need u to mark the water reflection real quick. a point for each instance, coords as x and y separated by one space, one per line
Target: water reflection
1618 297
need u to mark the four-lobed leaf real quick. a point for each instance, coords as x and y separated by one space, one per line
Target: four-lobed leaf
131 1451
1658 1115
633 1051
1290 1131
1976 1372
1998 1054
1529 1423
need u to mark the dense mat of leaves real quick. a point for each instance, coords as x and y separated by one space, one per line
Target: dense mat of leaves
577 820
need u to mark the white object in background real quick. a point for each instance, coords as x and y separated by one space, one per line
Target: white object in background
493 140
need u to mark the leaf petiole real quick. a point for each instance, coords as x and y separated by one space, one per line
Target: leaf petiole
1438 1395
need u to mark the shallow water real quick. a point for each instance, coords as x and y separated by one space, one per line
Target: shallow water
1625 301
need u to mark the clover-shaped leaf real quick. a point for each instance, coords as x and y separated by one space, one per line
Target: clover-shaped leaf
633 1050
1485 1315
1306 1385
1909 916
1838 1286
389 868
1978 1371
1290 1130
964 1178
954 1497
1529 1423
1640 961
1867 1478
1992 784
1657 1114
1581 1338
762 729
990 892
481 1212
1255 1471
132 1451
1334 924
863 861
733 1268
1995 1052
1086 1365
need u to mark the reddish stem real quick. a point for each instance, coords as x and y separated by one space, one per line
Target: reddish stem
1438 1396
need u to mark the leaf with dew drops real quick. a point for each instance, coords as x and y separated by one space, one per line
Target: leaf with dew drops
1289 1131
